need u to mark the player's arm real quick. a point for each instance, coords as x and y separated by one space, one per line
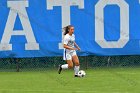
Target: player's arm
76 46
68 47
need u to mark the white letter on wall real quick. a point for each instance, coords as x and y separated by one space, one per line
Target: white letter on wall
124 24
65 4
18 8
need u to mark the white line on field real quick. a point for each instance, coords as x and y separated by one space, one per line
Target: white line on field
60 91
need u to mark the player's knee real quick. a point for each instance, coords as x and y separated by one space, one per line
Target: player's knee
77 64
70 66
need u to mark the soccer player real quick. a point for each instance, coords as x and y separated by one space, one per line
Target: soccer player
70 48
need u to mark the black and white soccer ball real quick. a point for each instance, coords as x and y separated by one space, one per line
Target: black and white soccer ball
81 73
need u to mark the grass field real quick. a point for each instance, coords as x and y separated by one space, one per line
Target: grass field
97 80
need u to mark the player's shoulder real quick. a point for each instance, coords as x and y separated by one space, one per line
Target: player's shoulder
73 35
66 36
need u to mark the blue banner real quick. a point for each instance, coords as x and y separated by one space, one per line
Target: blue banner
33 28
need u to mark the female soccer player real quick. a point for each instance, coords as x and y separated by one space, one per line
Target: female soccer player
70 48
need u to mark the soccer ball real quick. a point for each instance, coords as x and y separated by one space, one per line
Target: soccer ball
81 73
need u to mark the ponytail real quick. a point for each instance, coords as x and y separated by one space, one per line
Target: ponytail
66 29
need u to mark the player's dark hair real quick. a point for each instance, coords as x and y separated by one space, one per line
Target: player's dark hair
66 29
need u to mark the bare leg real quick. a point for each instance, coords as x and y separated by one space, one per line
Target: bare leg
65 66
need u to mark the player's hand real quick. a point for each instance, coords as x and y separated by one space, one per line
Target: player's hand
78 48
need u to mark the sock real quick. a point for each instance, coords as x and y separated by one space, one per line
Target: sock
65 66
76 69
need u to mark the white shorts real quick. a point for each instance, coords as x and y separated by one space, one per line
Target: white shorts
68 55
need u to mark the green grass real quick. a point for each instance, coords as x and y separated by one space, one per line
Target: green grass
97 80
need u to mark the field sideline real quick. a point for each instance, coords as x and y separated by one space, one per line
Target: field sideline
97 80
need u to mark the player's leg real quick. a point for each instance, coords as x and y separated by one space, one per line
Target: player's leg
66 66
69 64
75 59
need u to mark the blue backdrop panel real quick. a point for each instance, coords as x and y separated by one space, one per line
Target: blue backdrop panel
47 28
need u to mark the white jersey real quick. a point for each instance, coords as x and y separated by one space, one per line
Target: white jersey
69 41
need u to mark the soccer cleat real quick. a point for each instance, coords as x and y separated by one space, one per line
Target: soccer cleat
76 76
59 69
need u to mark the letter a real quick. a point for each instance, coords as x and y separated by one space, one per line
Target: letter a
18 8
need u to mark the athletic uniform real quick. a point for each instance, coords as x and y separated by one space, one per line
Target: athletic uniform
67 55
69 41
